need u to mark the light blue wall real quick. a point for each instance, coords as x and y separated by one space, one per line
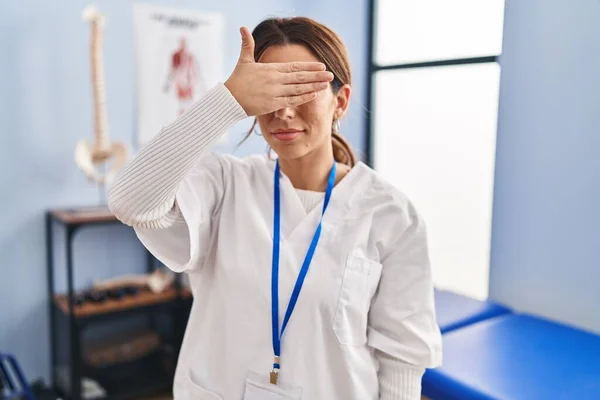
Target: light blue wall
45 108
546 224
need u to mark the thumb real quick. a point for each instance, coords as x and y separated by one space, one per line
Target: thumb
247 52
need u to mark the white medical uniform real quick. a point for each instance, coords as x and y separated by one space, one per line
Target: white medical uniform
368 290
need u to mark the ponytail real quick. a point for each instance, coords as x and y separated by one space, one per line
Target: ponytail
342 150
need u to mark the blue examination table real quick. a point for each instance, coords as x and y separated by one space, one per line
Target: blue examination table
516 357
456 311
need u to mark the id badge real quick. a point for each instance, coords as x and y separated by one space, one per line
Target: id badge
258 387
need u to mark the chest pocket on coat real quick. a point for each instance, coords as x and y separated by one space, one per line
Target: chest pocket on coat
358 286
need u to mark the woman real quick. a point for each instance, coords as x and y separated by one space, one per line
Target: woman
312 238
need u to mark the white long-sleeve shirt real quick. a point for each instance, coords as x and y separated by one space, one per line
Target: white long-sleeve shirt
364 326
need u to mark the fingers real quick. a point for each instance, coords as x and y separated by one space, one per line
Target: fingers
302 88
306 77
247 51
292 101
300 66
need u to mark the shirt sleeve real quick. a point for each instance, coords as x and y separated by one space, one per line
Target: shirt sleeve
398 380
183 244
402 320
171 189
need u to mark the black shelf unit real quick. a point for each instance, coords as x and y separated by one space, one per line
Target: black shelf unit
69 320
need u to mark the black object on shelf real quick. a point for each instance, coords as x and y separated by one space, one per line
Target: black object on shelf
72 312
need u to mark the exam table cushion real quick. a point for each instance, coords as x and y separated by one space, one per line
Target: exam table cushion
517 357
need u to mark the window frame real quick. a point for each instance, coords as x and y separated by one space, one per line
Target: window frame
373 68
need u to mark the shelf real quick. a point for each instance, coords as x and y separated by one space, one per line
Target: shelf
137 387
75 356
144 298
83 215
146 388
130 380
145 376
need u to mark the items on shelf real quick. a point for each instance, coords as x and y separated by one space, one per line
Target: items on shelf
121 348
91 389
118 288
157 281
100 296
95 303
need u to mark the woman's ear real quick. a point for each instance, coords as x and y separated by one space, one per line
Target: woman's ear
342 101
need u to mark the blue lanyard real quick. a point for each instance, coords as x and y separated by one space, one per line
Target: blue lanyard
275 271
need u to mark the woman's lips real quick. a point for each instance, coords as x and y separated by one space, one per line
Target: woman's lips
286 135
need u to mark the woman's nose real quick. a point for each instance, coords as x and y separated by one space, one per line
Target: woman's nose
285 113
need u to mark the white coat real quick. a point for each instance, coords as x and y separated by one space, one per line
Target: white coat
369 287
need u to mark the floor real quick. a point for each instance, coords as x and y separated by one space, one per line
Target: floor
167 396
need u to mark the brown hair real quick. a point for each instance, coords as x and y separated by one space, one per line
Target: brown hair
327 47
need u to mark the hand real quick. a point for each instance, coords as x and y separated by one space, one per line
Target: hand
262 88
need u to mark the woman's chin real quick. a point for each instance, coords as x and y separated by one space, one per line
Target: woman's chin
290 152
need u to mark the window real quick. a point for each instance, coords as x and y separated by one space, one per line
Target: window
434 100
410 31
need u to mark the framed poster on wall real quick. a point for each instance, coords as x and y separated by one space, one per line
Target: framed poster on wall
178 57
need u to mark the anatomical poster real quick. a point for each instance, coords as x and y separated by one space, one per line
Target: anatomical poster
178 57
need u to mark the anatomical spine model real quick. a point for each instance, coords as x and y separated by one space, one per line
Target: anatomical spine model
89 157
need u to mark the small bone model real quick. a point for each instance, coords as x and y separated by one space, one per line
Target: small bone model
89 157
157 281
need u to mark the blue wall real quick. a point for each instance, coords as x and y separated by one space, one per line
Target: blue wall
45 108
546 224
